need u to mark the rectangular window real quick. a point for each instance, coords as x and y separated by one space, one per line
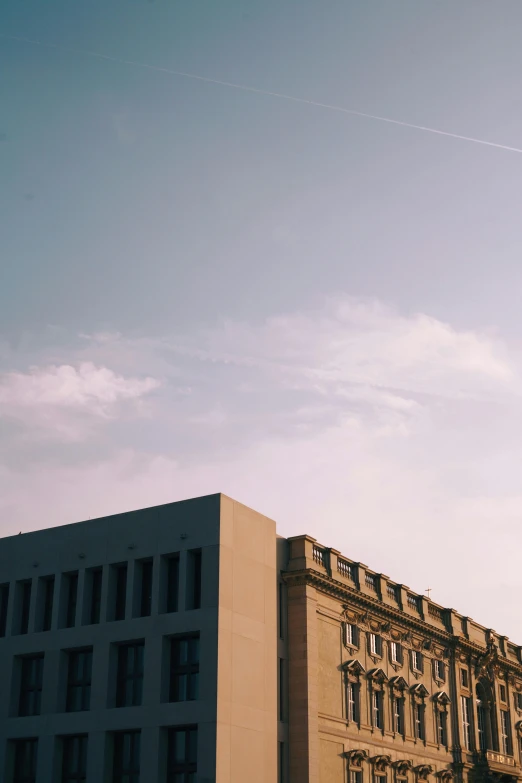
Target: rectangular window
355 776
505 732
518 701
442 737
281 689
182 764
74 759
352 702
71 598
418 715
502 692
395 652
145 576
4 602
465 708
377 710
171 583
31 683
24 592
184 668
120 593
464 678
194 579
129 687
398 715
439 670
416 661
350 635
47 602
375 644
95 597
126 761
379 779
79 676
281 763
280 610
25 756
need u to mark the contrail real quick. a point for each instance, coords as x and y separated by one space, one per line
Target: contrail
258 91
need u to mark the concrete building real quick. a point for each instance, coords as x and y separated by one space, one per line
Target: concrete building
189 643
141 647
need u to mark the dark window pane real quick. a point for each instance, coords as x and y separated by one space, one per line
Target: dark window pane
184 668
96 588
26 605
48 600
79 681
74 767
126 767
121 592
146 588
4 600
72 596
172 583
25 761
194 579
129 686
31 682
182 754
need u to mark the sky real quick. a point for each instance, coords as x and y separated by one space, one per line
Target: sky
211 289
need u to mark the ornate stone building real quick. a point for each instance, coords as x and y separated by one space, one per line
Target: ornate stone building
381 685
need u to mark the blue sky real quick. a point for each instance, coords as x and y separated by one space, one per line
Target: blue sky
207 289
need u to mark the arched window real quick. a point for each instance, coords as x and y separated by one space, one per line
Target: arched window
485 717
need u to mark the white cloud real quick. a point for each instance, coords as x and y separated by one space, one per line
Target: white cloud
57 397
394 438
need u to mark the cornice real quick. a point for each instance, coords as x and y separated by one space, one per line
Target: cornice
330 586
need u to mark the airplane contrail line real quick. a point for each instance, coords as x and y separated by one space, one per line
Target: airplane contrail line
259 91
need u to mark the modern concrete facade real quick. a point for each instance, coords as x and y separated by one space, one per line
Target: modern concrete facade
200 568
189 643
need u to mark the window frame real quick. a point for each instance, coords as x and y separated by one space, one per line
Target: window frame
465 710
188 766
126 769
69 775
133 675
189 669
19 775
417 662
79 683
31 685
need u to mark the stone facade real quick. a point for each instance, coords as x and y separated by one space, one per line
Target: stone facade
385 686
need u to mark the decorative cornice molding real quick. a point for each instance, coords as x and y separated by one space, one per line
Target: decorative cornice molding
367 603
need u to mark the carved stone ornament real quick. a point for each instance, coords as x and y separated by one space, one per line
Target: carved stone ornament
441 700
403 766
349 615
407 638
398 685
354 668
364 618
423 771
419 692
428 645
445 775
487 665
518 728
381 763
356 757
377 677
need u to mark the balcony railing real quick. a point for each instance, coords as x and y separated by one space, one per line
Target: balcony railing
346 569
371 581
499 758
319 555
393 592
413 602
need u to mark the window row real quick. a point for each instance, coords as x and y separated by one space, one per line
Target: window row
400 711
126 677
397 653
109 585
124 757
483 727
